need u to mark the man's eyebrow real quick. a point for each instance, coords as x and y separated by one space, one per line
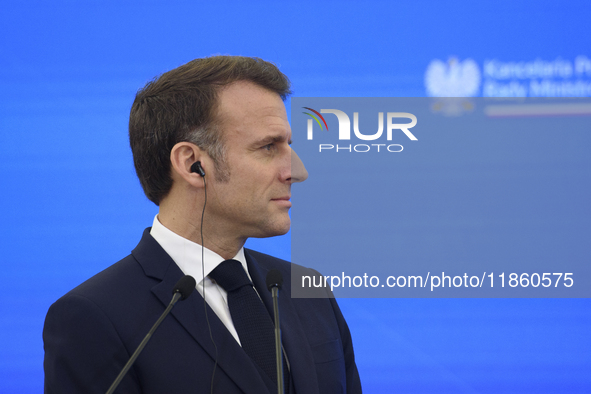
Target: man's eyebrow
272 138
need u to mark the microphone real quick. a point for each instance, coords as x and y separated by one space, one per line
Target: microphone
183 289
274 283
274 279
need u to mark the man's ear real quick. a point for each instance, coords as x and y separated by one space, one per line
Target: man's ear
183 156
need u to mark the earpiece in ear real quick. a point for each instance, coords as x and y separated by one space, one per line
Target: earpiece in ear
196 167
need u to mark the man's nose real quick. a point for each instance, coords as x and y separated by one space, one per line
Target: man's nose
298 170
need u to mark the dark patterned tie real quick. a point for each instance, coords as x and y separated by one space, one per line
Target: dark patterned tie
250 317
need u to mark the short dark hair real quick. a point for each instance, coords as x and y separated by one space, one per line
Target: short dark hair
181 105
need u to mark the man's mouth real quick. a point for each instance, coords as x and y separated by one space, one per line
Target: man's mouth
284 201
287 198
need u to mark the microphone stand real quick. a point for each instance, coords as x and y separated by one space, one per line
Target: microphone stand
144 342
182 290
278 354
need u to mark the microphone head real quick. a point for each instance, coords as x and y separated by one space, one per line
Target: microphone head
274 279
184 286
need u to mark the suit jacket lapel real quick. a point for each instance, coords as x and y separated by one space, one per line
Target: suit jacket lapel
190 313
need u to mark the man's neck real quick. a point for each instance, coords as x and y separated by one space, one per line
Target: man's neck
191 229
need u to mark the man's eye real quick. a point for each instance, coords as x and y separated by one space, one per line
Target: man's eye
269 147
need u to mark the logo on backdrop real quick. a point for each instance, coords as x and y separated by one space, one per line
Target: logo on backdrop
452 79
499 78
344 132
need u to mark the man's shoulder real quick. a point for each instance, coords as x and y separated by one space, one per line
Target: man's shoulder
112 282
132 274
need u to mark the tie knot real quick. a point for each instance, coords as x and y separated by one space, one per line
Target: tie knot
230 275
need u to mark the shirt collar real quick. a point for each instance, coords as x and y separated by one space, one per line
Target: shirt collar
187 254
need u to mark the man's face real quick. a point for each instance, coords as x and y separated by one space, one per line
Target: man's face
255 201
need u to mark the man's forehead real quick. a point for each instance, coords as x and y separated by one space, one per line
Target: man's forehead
245 102
248 96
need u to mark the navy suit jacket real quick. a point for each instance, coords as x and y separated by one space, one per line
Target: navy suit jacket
91 332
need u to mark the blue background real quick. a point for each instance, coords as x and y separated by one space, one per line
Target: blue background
474 195
69 71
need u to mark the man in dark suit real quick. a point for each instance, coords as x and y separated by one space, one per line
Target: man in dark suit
210 142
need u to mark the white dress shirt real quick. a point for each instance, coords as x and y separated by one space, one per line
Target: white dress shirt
187 255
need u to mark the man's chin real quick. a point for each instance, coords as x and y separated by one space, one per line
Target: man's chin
284 231
280 231
275 231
